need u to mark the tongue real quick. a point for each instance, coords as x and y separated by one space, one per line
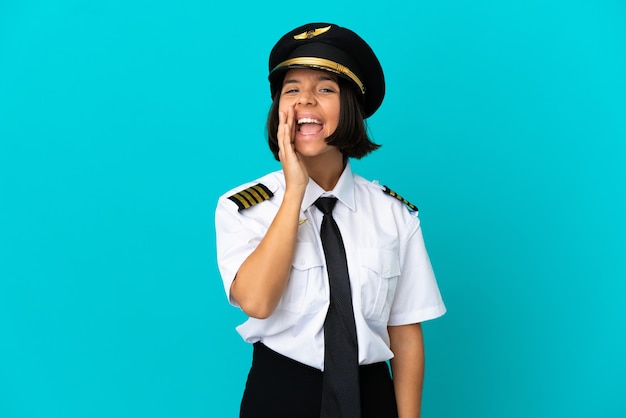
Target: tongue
310 128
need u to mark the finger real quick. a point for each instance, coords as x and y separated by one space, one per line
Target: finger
286 131
291 122
280 131
282 118
286 140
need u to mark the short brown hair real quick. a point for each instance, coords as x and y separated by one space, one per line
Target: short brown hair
351 134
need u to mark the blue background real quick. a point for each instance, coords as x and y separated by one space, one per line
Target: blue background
121 122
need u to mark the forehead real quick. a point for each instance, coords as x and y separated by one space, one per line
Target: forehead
298 74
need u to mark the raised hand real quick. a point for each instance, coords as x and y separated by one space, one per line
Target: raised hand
296 175
262 278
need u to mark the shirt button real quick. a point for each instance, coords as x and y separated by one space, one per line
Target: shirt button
301 262
385 269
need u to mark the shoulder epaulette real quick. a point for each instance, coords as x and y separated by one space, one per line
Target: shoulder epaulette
390 192
251 196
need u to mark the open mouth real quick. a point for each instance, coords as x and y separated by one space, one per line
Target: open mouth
309 126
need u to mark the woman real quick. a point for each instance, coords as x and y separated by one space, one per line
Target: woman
330 268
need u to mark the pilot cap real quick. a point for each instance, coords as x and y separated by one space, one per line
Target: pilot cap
329 47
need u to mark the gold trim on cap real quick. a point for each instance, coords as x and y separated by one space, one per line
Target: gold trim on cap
311 33
322 64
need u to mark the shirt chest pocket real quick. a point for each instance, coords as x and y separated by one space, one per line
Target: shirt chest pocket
305 290
379 273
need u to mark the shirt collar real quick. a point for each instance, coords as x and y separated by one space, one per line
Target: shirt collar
343 191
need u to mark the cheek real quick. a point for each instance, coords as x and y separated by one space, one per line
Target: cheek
334 122
334 113
284 103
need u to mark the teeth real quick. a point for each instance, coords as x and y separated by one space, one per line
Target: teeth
308 120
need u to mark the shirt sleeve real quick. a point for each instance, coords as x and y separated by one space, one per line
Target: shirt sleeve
417 297
237 236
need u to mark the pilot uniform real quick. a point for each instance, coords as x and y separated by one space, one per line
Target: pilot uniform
391 277
391 281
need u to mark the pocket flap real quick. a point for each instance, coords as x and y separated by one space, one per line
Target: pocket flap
306 256
384 262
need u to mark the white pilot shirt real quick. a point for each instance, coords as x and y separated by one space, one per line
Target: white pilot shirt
391 278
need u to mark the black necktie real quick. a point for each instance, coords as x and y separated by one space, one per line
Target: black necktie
341 390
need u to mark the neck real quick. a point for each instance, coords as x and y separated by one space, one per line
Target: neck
325 171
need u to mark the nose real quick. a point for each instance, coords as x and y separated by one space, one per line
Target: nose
306 98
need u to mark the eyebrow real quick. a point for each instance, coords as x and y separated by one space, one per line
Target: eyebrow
319 78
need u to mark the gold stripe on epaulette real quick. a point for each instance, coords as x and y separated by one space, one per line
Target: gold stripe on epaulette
263 191
409 205
248 197
255 194
251 196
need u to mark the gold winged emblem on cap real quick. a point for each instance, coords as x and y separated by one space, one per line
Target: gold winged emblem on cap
311 33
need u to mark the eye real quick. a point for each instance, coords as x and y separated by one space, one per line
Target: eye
327 90
290 91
